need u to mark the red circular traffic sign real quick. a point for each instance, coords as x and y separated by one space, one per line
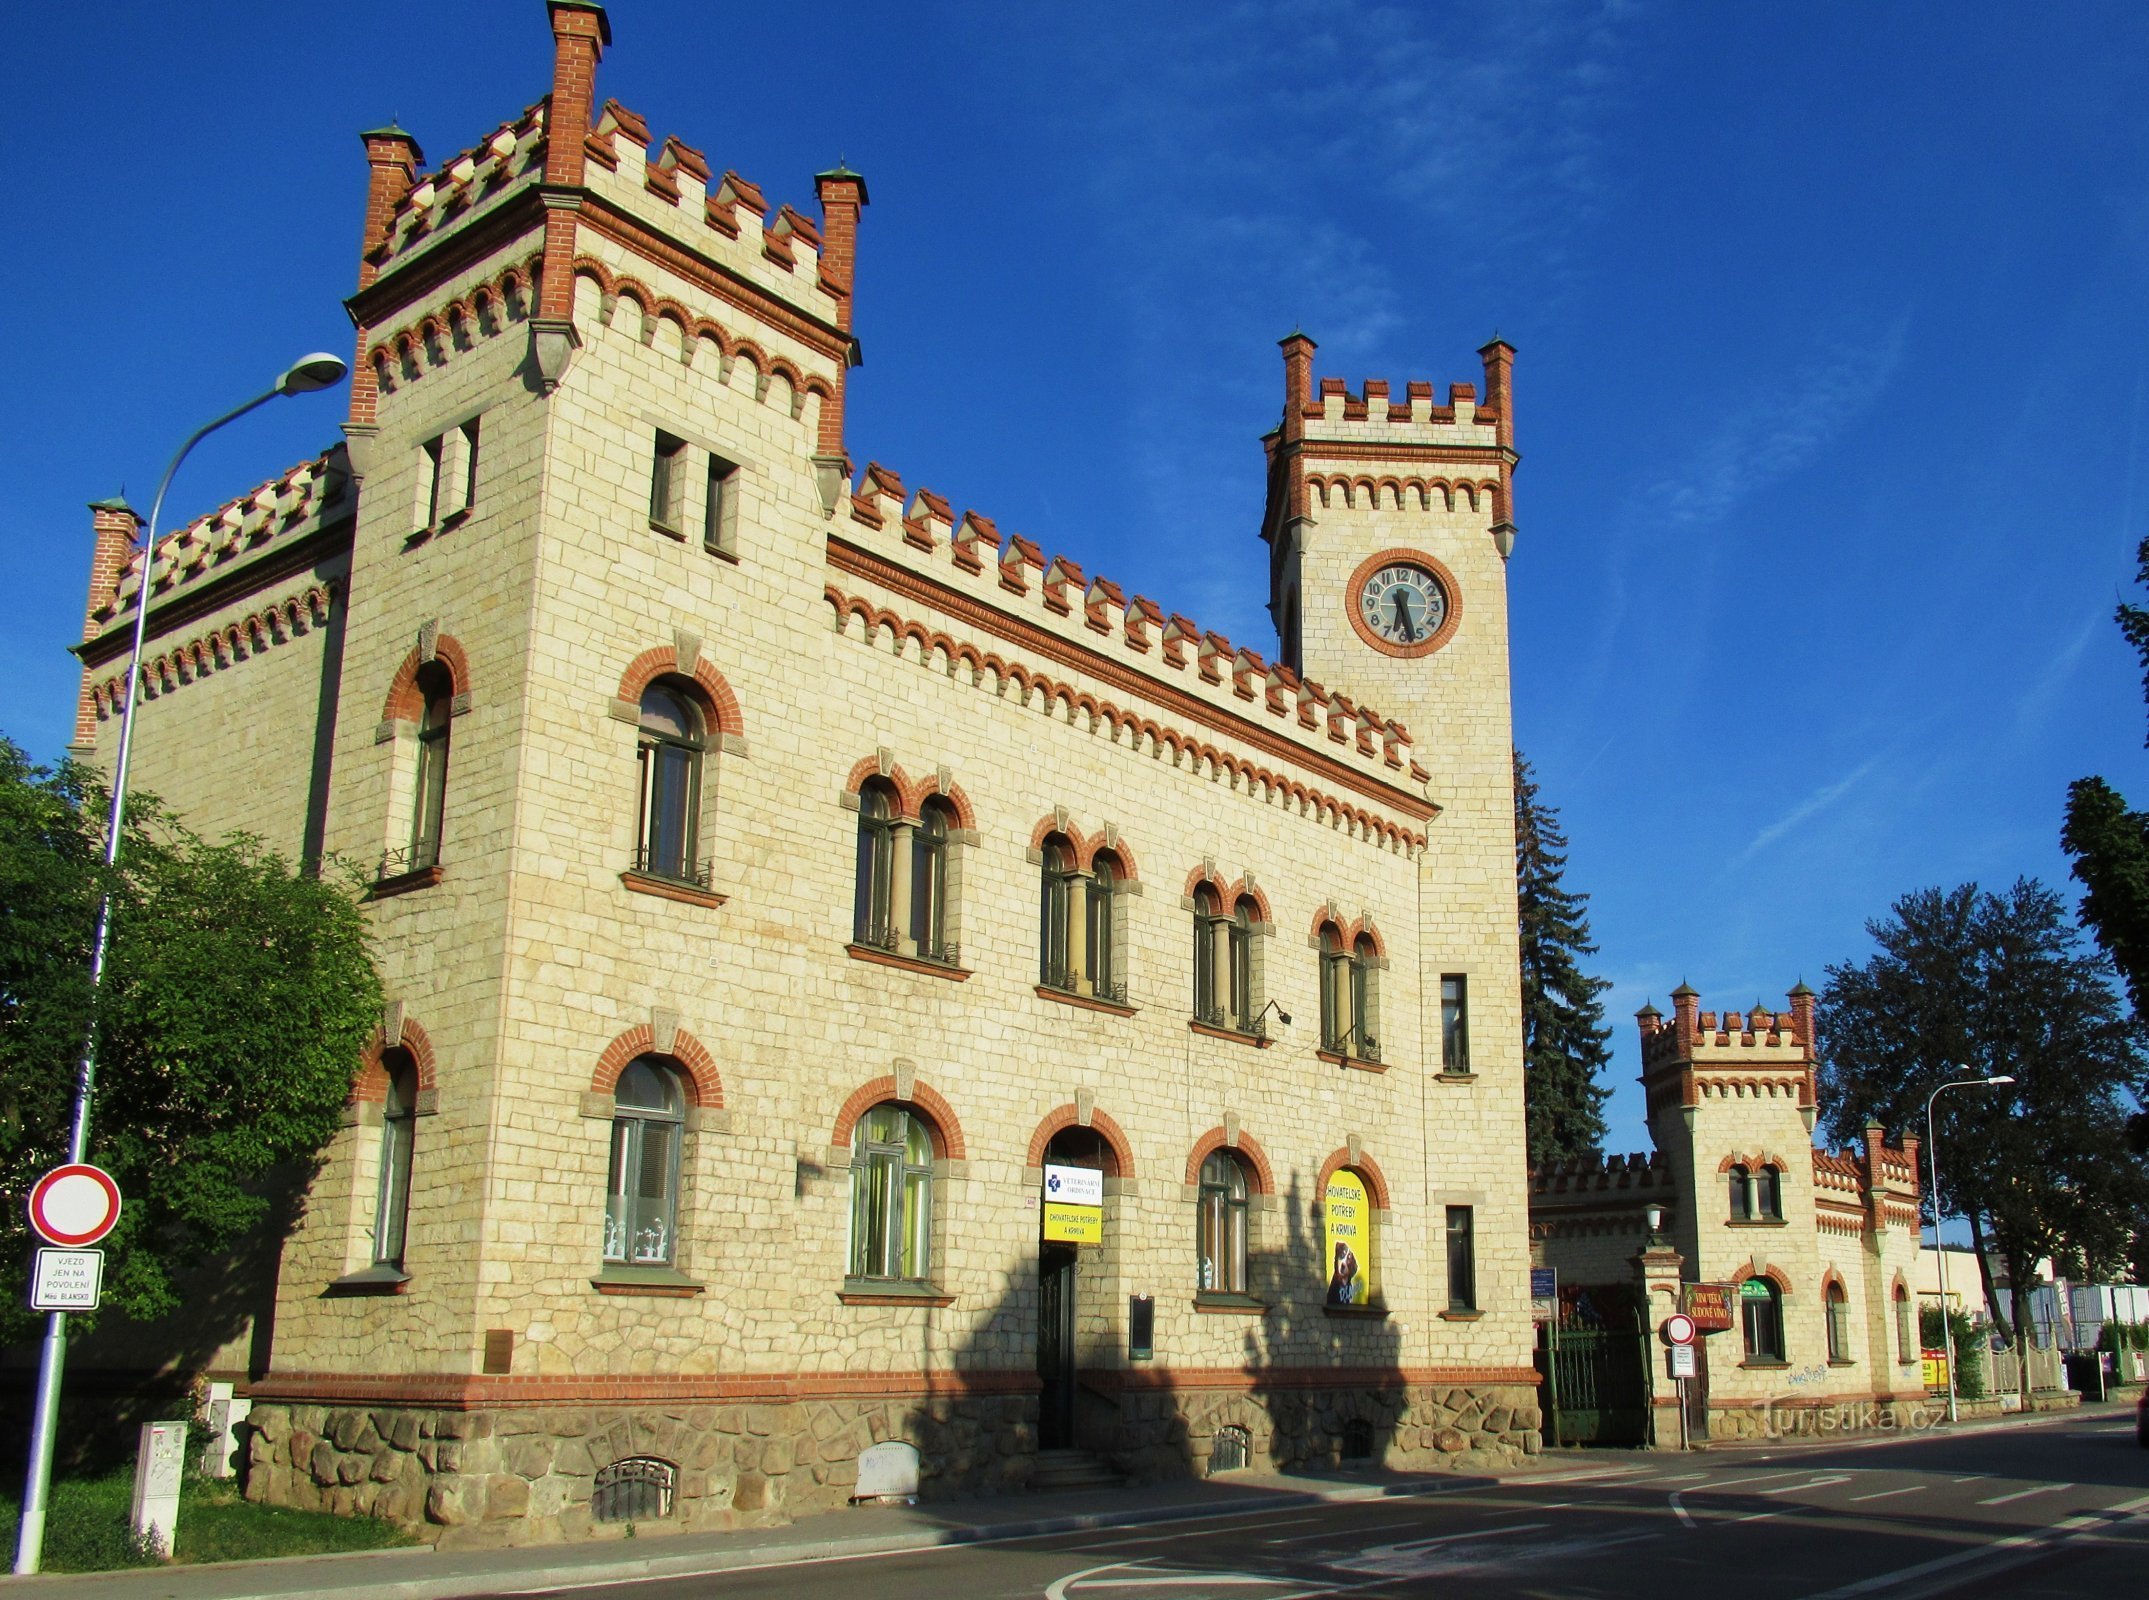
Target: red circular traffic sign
1678 1328
75 1205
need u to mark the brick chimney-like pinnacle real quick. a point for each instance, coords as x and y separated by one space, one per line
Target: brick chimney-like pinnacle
114 524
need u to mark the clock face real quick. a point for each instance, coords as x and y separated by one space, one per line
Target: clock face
1403 604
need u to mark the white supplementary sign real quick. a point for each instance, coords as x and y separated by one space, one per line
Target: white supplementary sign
1679 1328
67 1280
1074 1186
1682 1361
74 1206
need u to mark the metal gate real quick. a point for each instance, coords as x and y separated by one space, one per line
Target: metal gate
1596 1387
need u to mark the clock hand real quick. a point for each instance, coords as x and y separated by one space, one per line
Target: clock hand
1402 616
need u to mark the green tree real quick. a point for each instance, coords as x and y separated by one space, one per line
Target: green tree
1965 982
1565 1043
237 997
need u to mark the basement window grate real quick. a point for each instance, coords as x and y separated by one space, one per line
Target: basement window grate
638 1489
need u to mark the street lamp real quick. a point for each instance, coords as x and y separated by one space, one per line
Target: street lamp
1932 1154
317 371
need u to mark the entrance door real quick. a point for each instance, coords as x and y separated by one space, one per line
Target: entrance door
1056 1344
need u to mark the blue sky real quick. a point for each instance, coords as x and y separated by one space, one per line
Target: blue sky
1831 385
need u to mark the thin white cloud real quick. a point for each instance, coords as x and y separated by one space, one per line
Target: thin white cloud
2036 702
1806 810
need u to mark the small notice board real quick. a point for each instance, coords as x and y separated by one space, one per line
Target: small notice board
67 1280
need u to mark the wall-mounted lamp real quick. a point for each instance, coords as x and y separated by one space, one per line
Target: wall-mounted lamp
1282 1015
1653 1214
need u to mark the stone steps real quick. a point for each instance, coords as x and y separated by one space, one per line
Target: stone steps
1072 1469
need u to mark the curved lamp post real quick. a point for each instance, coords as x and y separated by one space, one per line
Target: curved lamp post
317 371
1932 1154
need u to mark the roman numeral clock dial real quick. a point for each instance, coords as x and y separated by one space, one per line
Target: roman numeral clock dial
1403 607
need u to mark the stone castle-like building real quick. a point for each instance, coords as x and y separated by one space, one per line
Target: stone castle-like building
777 869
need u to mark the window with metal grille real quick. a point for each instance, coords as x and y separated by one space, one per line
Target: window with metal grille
1231 1451
638 1489
1357 1439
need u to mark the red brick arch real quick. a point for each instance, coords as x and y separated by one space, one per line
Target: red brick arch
1754 1163
912 793
1774 1274
1366 1167
687 1054
1229 893
1256 1159
1834 1279
717 699
371 1082
940 1119
404 703
1068 1117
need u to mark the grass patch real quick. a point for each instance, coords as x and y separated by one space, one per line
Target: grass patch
86 1527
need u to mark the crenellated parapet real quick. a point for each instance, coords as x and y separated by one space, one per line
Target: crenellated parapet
965 597
449 201
1641 1175
1696 1055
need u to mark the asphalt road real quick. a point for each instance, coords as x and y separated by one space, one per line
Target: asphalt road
2029 1513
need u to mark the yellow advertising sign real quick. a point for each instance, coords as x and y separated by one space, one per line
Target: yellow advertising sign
1935 1363
1065 1224
1349 1219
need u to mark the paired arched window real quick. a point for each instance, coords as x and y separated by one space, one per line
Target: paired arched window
891 1195
1078 942
673 741
436 689
905 894
1906 1328
1220 1225
1756 1193
1742 1194
1226 978
399 1122
1836 1302
1350 990
641 1210
1761 1314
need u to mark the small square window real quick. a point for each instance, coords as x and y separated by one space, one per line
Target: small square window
720 513
667 482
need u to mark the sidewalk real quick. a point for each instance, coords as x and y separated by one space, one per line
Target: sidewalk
425 1574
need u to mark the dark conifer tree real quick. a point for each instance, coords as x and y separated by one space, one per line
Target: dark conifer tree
1565 1042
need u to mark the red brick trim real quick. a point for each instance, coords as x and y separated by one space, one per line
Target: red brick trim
1774 1274
1366 1167
1832 1279
657 307
1242 1380
226 645
940 1120
1753 1163
500 300
666 889
1408 557
1084 1002
1254 1157
888 958
1396 489
449 1391
1348 932
687 1054
404 702
1068 1117
911 794
1229 893
1086 847
371 1082
721 705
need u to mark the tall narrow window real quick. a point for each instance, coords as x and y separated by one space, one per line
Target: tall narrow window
667 482
1335 992
891 1195
1055 910
1838 1306
1742 1193
642 1195
1208 936
1240 932
1454 1023
671 748
875 904
929 883
1768 1193
1365 995
1100 936
1220 1225
399 1120
1462 1259
720 514
438 690
1761 1312
429 482
462 493
1906 1328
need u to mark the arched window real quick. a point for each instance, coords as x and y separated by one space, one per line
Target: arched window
1742 1194
1768 1194
1240 931
399 1121
875 922
1761 1310
1335 992
436 686
641 1207
1055 916
891 1195
670 752
1365 999
1838 1306
1208 938
1101 958
1906 1329
929 882
1220 1225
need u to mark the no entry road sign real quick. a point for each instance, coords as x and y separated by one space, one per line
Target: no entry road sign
74 1205
1679 1328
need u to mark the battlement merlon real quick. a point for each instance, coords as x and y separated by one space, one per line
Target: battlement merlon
572 173
1694 1044
1397 451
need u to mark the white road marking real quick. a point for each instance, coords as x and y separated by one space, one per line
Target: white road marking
1798 1488
2023 1546
2024 1494
1686 1517
1333 1533
1882 1494
1725 1483
1180 1580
